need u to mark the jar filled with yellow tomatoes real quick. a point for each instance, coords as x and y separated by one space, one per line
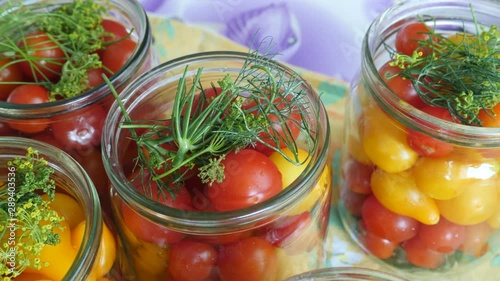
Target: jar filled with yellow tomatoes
53 59
51 222
220 170
419 185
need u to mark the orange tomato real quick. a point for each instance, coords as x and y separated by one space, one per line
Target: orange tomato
107 249
59 258
67 207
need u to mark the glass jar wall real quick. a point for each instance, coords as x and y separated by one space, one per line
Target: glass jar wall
419 181
74 124
86 247
271 240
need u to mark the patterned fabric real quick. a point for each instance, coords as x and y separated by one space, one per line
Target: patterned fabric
214 25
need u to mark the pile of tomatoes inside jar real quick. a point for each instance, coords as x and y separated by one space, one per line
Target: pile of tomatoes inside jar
418 199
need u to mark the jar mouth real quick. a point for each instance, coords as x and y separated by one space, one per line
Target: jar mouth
345 273
448 16
67 170
49 109
204 222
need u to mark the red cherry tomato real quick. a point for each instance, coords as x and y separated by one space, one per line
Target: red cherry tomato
357 176
249 259
10 76
476 239
399 85
282 232
46 57
443 237
29 94
377 246
426 145
95 77
116 55
149 231
386 224
420 256
352 201
408 36
191 260
250 178
81 129
114 30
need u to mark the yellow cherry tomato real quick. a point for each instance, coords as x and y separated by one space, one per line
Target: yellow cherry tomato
356 150
318 192
106 253
67 207
445 178
474 205
289 171
59 257
385 143
150 261
398 192
494 220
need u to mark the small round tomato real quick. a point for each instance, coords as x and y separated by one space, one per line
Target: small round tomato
476 239
29 94
113 30
249 259
490 118
250 178
418 255
400 86
289 171
357 176
67 207
95 77
408 36
116 55
43 57
81 129
386 224
443 237
191 260
149 231
282 231
426 145
10 77
377 246
352 201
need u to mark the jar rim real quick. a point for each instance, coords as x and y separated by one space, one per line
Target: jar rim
201 221
387 24
86 192
96 94
340 273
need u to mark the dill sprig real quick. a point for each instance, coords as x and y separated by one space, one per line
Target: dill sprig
74 27
24 213
460 73
261 98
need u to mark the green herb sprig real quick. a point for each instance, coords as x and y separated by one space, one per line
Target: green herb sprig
204 129
74 27
461 75
26 221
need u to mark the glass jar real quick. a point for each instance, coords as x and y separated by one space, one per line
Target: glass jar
345 274
304 205
75 124
419 193
74 189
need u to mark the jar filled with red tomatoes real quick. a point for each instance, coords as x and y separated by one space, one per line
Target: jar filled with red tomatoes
220 170
420 187
50 217
53 60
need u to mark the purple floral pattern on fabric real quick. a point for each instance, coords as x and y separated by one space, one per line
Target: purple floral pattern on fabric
324 36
